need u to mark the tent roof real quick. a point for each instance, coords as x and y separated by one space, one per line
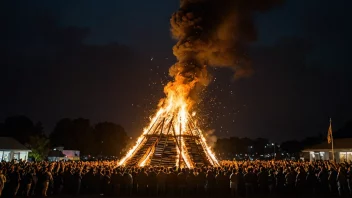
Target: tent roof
8 143
343 143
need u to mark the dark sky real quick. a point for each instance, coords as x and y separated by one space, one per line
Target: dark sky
108 61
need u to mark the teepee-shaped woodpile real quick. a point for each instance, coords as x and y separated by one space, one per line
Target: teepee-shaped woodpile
166 144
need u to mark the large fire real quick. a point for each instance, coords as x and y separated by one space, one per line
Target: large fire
208 32
175 108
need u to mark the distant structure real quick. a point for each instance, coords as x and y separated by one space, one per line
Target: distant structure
59 154
342 151
11 149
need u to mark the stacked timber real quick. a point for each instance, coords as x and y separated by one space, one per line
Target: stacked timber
139 154
196 151
159 150
169 154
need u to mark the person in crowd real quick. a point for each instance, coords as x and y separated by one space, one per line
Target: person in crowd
152 182
181 179
290 180
161 182
128 182
301 180
342 182
271 182
201 181
250 182
280 181
311 182
59 182
135 180
116 182
323 179
77 180
106 182
2 181
171 181
210 182
234 183
143 181
47 179
14 180
27 182
349 179
222 182
332 181
191 183
263 181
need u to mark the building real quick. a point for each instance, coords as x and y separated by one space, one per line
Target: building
59 154
323 151
11 149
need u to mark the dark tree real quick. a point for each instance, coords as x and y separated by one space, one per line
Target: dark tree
227 148
293 147
260 145
236 145
74 134
20 128
224 148
111 138
246 146
39 146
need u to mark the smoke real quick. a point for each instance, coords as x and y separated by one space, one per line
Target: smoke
213 33
211 138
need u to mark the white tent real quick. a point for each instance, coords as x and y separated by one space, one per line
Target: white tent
11 149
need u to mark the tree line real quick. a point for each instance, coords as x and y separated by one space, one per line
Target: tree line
101 139
110 139
227 148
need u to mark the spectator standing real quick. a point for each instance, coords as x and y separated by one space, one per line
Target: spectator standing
234 179
2 181
47 179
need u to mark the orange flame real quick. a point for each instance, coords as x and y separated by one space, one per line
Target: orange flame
177 107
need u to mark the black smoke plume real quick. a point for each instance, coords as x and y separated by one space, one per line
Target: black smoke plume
214 33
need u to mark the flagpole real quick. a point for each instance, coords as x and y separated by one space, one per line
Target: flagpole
332 143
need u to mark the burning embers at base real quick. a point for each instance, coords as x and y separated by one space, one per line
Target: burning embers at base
172 138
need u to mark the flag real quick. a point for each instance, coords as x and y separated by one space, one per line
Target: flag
330 133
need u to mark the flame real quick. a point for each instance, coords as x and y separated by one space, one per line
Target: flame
175 108
147 158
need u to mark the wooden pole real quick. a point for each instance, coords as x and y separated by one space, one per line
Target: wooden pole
332 142
166 136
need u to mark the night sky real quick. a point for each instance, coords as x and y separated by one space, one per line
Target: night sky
109 60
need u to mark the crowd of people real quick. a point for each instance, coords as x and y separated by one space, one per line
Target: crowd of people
232 178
